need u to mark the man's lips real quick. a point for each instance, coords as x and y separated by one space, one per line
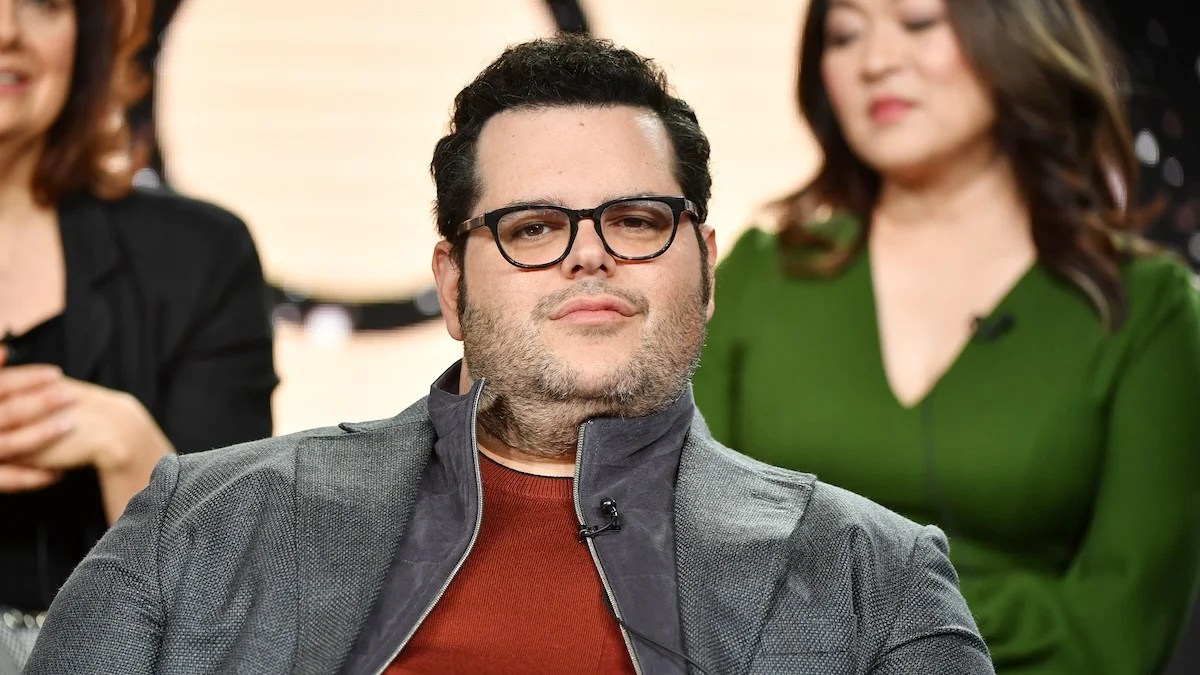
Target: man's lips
592 304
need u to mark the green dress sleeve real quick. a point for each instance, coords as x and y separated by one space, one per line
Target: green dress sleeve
1119 606
715 381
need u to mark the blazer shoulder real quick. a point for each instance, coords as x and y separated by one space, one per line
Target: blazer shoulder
833 520
241 470
758 476
829 512
170 236
846 521
185 252
415 414
244 468
149 211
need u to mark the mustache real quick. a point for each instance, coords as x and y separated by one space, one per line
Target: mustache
546 305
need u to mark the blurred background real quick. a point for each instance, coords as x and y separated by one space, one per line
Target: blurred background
316 125
315 122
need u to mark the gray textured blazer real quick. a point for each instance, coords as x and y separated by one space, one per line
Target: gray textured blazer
266 558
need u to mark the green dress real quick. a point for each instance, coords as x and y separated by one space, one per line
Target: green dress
1063 462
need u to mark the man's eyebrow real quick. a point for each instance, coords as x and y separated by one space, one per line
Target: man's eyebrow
555 201
533 201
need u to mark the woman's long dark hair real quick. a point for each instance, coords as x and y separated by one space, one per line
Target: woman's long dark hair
88 146
1056 83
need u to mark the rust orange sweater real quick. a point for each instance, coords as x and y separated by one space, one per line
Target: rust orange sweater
528 599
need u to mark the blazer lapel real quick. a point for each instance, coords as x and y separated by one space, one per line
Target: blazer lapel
354 495
91 253
735 520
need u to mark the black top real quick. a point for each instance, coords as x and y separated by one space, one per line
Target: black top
165 300
34 561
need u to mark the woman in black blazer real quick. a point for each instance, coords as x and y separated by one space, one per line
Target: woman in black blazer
135 324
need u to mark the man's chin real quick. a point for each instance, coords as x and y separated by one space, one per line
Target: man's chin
595 375
597 378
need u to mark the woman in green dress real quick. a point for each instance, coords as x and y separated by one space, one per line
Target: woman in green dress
954 319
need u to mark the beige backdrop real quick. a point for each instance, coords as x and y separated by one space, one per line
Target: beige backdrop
315 122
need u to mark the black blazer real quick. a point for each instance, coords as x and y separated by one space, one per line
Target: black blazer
166 301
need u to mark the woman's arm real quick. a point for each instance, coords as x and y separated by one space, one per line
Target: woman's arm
1120 607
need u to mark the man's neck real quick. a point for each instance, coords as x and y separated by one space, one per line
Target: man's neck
557 451
560 466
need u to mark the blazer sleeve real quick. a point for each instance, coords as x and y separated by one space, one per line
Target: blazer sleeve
217 388
108 617
1121 605
933 630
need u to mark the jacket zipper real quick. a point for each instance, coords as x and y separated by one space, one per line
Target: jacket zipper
612 600
470 545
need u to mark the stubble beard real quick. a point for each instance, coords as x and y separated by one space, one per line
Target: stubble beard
535 402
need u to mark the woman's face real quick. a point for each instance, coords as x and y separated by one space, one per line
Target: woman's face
903 93
37 54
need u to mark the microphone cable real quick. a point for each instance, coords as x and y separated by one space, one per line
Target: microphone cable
662 647
609 508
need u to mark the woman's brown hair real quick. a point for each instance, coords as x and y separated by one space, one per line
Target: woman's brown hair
1055 81
88 147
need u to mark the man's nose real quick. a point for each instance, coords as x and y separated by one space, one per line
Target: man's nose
588 255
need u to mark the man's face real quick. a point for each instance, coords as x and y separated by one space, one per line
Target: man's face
623 335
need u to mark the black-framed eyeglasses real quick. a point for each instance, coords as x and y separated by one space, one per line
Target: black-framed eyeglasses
541 235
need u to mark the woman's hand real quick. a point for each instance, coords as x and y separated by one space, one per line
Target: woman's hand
31 398
50 423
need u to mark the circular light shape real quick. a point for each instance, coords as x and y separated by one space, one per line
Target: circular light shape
1173 172
328 326
317 125
1146 147
146 178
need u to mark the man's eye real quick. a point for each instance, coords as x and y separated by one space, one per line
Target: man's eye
634 223
533 230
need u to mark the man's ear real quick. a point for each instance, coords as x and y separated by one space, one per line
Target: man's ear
710 241
447 276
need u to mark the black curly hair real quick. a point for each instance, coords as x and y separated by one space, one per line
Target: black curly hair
566 70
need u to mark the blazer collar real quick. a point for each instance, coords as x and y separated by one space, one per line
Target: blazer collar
91 252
